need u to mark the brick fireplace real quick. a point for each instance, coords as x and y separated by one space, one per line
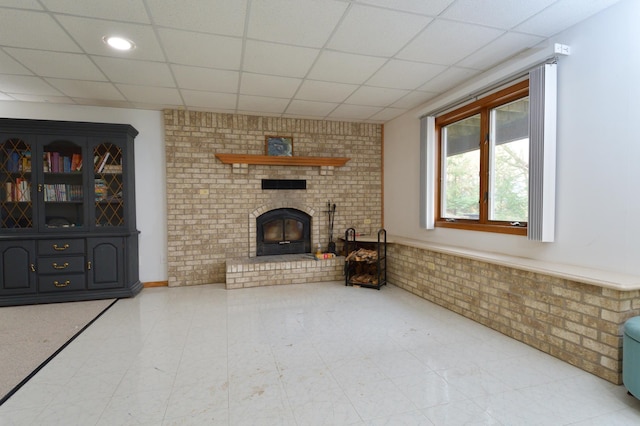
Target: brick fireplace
212 207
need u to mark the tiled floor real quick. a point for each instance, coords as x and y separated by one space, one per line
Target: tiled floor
312 354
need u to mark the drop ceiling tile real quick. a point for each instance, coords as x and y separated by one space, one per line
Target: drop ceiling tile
201 50
431 7
354 112
222 17
118 10
10 66
345 67
504 14
499 50
262 104
288 39
89 33
86 89
377 32
157 95
17 30
310 108
300 22
312 90
375 96
447 42
21 4
210 100
268 85
27 85
57 64
404 74
388 114
449 79
145 73
561 15
111 103
156 106
278 59
413 99
207 79
45 99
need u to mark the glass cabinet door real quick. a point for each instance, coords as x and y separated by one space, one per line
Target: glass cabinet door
108 197
16 206
62 185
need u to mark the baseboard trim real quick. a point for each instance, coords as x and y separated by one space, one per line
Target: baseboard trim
155 284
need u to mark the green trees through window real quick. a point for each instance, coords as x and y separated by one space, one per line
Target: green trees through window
484 162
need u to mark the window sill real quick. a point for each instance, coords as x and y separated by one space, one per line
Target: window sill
473 226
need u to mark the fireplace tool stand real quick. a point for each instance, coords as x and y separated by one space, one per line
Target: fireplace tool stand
331 210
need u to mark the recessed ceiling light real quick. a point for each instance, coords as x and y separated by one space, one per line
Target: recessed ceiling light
119 43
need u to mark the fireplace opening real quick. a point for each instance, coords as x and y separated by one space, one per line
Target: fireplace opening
283 231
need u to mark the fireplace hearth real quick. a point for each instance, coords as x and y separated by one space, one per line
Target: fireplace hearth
283 231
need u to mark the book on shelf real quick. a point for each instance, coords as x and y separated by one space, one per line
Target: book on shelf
102 162
76 162
26 161
101 189
18 191
46 162
112 168
19 161
55 162
14 163
62 192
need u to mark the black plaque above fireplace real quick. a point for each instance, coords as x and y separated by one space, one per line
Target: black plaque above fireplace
284 184
283 231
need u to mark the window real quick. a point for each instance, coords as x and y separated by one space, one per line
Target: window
483 163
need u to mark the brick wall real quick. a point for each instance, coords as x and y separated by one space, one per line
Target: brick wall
209 205
292 269
578 323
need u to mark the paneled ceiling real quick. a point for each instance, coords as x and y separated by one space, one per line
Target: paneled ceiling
354 60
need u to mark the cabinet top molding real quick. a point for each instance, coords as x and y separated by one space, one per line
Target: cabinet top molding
281 161
55 127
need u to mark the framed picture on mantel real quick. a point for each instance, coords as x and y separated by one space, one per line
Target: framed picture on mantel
279 146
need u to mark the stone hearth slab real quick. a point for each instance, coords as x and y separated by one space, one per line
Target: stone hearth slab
279 270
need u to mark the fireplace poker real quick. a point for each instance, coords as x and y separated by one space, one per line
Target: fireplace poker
332 214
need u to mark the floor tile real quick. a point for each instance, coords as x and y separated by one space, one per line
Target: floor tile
300 355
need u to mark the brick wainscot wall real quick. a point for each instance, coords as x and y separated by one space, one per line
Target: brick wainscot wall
575 321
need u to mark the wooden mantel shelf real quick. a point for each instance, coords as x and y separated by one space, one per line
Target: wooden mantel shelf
282 161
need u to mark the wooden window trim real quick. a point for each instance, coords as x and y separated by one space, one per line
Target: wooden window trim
481 106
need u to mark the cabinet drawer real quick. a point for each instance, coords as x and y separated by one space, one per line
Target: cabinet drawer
61 282
61 246
60 264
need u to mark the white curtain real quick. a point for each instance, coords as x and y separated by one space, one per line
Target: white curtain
542 152
427 172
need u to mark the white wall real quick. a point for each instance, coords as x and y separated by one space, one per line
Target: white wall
151 211
598 169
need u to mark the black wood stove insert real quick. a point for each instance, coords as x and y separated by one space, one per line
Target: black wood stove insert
283 231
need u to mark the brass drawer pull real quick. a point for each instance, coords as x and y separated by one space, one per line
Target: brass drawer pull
59 284
56 266
63 248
